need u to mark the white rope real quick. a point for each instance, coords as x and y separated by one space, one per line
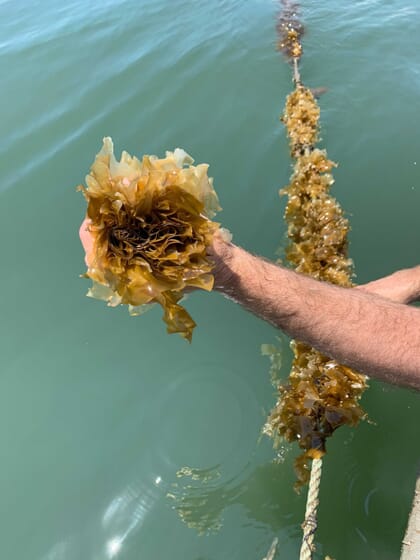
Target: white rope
272 552
296 75
310 524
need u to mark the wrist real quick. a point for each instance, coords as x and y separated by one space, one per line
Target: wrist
224 256
415 281
408 282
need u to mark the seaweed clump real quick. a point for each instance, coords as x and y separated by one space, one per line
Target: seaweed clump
150 222
321 395
290 31
317 229
301 118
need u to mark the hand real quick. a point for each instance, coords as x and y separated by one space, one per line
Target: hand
87 241
215 251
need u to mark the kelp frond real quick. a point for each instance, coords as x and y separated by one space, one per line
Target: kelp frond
150 221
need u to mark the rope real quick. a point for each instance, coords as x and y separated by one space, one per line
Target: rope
272 552
310 524
296 74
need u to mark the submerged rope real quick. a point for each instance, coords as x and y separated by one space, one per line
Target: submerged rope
310 524
272 551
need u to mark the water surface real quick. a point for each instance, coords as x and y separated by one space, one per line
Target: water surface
99 410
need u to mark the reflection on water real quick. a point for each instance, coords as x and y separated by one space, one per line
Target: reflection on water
201 503
367 501
202 475
59 551
127 512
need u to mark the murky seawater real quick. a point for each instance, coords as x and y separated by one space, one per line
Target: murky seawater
100 411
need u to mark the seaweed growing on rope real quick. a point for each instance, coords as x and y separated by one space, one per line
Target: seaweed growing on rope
321 395
290 30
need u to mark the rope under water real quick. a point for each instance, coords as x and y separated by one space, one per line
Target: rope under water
310 524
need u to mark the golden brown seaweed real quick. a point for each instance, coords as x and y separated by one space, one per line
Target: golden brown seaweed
150 224
290 31
301 117
321 394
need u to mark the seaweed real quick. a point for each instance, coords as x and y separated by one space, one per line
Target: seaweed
321 395
290 30
150 222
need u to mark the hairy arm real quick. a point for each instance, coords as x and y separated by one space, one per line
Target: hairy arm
402 286
367 328
357 327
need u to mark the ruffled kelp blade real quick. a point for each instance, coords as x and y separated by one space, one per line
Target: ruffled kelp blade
150 224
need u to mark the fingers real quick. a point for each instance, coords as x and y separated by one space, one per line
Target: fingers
87 241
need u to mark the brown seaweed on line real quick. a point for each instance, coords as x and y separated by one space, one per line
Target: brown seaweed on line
290 30
321 395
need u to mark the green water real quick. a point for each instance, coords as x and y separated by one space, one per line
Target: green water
99 410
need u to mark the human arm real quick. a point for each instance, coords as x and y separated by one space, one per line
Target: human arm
403 286
358 328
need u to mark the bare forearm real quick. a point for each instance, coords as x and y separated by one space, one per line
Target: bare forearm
402 286
366 332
